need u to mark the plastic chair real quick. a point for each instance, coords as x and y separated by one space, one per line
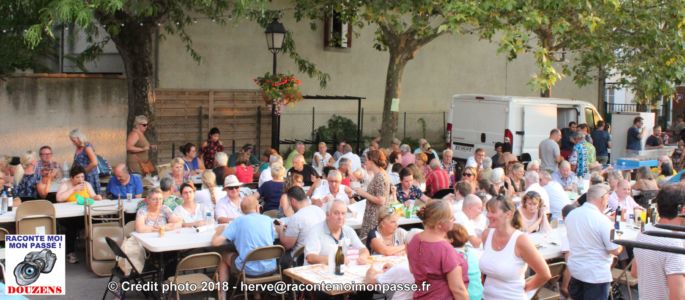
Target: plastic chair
556 269
135 276
262 253
33 214
199 261
101 222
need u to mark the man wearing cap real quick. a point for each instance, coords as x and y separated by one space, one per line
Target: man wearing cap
228 208
247 232
591 248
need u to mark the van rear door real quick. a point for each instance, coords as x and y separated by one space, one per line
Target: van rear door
477 124
538 121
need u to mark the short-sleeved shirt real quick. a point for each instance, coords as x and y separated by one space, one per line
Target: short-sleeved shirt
566 139
579 158
118 191
164 215
628 204
431 262
249 232
567 182
307 173
320 241
654 266
302 222
324 190
244 173
654 141
398 238
438 179
589 241
190 217
549 151
226 209
601 139
414 193
27 186
271 191
590 152
398 273
634 142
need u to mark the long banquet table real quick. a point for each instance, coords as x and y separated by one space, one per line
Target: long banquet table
71 209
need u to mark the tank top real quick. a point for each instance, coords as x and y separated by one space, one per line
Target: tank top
503 281
83 193
133 160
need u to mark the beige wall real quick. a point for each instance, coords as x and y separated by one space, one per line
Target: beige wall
36 111
235 54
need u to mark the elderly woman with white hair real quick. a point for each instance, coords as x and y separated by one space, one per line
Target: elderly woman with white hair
499 182
138 147
26 188
486 172
407 157
221 169
534 166
86 158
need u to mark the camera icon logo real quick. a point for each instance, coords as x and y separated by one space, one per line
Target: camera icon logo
36 262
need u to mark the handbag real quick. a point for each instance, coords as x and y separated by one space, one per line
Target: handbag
104 169
146 167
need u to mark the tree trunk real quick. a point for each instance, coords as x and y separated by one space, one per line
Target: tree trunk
546 93
393 82
135 47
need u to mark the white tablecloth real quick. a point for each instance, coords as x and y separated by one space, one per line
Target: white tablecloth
71 209
174 240
356 216
549 244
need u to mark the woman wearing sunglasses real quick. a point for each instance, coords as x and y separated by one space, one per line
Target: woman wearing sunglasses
470 175
533 213
137 145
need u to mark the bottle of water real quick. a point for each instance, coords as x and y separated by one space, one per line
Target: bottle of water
209 216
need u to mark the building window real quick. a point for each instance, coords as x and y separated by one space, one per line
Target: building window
611 94
337 33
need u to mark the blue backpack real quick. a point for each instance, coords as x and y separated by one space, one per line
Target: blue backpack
104 169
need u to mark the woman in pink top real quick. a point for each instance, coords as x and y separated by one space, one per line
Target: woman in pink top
243 170
432 259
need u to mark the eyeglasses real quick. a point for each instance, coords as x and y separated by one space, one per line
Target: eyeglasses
144 125
468 174
232 187
46 153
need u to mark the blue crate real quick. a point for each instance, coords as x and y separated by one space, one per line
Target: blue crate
629 164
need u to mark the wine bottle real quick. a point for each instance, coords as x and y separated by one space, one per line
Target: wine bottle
617 221
339 260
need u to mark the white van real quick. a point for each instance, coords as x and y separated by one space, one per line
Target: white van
480 121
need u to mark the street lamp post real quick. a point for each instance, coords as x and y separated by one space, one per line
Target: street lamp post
275 36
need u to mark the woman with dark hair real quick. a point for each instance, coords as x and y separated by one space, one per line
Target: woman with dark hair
243 170
377 192
210 147
192 163
504 242
458 237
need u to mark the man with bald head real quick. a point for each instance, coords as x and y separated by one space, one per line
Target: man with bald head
123 183
471 217
324 238
300 167
332 191
247 232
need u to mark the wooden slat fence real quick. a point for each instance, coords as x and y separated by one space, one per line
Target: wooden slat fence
183 116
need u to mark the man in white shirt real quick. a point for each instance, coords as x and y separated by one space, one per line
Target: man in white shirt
476 160
331 191
590 246
324 238
355 161
461 190
305 218
472 219
558 198
266 174
228 208
533 184
661 275
392 274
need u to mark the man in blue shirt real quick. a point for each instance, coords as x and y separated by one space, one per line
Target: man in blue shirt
123 183
635 132
247 232
602 142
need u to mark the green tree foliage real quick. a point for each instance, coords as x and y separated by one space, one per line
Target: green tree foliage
15 52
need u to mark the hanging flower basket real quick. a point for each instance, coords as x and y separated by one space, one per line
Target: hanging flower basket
279 90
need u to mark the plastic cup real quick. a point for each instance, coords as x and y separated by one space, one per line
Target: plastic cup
161 231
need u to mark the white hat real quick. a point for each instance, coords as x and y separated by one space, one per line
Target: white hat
231 181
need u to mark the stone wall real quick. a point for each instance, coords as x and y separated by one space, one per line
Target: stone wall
38 110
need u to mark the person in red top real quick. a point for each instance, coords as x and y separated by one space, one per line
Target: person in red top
243 170
437 179
432 260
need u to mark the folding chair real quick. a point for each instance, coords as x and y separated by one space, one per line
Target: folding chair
195 262
33 214
134 277
259 254
101 222
544 293
623 276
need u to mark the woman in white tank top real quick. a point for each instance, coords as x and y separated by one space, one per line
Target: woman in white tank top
507 253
